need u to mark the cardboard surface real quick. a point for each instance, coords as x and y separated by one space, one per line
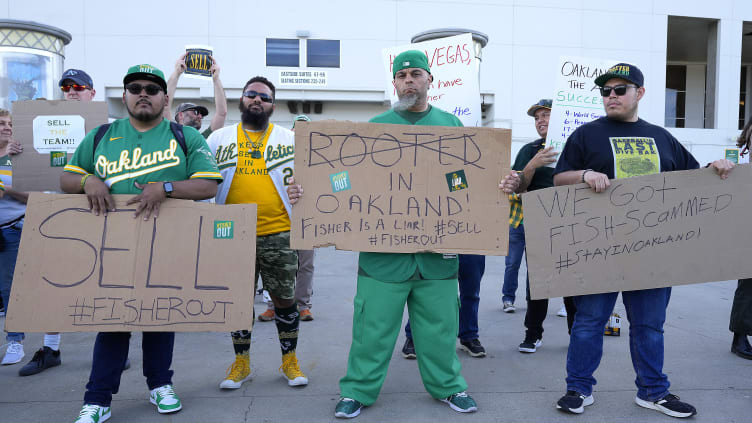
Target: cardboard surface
401 188
188 270
455 87
652 231
35 171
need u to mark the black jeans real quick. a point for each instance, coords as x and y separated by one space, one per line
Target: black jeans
110 353
537 311
741 309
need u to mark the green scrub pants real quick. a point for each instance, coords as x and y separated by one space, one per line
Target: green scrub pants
377 319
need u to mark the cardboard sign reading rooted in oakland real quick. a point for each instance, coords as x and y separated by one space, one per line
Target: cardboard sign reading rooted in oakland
645 232
191 269
401 188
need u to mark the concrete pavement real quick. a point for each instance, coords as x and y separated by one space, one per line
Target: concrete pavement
508 386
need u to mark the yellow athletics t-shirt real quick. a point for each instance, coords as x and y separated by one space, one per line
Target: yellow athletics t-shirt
252 183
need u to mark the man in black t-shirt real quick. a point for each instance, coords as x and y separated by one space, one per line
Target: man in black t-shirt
621 145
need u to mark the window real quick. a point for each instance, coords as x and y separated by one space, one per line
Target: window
691 72
323 53
281 52
676 95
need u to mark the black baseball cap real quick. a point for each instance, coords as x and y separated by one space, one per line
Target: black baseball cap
78 76
544 103
188 106
624 71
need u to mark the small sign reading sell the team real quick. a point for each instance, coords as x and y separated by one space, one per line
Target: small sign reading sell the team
58 133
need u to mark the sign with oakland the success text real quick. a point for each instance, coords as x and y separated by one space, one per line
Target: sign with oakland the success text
190 269
401 188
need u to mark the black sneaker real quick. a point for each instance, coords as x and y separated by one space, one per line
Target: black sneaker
473 347
669 405
574 402
43 359
408 350
529 345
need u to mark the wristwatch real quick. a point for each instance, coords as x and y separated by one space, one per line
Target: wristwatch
167 188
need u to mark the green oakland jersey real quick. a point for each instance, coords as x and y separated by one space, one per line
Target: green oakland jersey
125 156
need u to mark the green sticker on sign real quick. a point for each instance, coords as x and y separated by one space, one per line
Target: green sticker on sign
223 229
732 154
58 158
456 180
340 181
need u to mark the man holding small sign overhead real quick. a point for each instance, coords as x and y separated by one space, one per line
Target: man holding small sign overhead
426 282
622 145
167 169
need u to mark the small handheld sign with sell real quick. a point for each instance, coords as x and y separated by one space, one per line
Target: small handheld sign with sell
198 61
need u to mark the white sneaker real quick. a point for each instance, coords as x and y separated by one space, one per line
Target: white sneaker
165 399
562 312
93 414
13 354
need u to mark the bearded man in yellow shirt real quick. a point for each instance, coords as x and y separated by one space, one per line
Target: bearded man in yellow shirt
256 159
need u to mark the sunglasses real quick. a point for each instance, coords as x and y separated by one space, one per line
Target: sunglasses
266 98
136 89
67 88
618 89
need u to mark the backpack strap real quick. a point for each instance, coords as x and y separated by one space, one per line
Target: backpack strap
98 137
177 130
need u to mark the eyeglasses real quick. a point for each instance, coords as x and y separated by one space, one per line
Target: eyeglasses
136 89
67 88
618 89
193 112
266 98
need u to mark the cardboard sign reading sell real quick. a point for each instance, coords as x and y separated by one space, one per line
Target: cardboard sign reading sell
645 232
191 269
401 188
50 132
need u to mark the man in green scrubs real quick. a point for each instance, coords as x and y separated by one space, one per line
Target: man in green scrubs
426 282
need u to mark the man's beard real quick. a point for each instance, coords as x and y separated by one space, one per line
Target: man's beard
257 120
193 123
406 101
144 116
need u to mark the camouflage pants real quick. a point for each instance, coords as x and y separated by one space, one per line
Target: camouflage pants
277 264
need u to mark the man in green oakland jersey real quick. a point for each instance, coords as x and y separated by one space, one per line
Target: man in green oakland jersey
426 282
139 155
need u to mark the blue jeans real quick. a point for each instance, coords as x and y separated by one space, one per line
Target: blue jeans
512 262
110 353
470 273
646 313
8 254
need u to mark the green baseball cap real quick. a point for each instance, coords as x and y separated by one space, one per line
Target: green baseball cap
410 59
147 72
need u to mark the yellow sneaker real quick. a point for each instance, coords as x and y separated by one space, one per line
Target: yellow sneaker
239 372
291 370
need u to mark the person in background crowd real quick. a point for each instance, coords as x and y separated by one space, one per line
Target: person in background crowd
304 279
12 212
740 323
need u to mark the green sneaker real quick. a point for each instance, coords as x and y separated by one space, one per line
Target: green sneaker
461 402
347 408
93 414
165 399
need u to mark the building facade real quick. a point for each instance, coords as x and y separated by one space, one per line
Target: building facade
325 56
